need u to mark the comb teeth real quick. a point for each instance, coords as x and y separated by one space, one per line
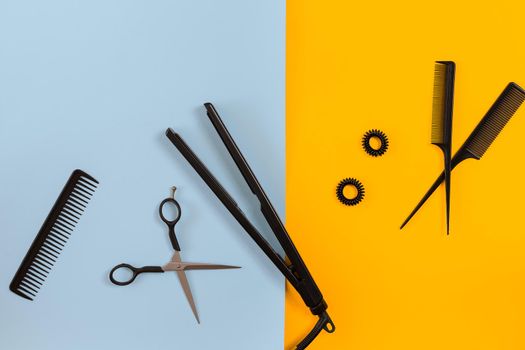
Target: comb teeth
495 120
441 100
53 234
438 102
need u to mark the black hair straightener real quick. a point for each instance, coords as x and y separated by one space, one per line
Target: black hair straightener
296 271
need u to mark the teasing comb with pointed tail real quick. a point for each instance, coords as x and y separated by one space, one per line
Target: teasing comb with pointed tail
483 135
442 107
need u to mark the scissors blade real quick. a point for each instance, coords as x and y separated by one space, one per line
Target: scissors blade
204 266
187 291
176 260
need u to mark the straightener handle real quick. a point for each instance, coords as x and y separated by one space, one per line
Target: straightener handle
324 322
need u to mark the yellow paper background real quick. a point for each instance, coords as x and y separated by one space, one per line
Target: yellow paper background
354 66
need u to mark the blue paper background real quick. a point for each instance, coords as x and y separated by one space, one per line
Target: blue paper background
94 85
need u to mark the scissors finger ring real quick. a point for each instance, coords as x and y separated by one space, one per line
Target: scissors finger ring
135 271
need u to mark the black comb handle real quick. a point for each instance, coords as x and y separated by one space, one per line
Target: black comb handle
427 195
460 156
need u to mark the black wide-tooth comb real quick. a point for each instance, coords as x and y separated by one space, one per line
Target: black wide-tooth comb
53 234
442 107
483 135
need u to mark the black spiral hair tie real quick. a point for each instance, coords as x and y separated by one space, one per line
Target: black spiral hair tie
375 133
350 182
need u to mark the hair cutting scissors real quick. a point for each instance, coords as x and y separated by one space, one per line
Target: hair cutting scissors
175 264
